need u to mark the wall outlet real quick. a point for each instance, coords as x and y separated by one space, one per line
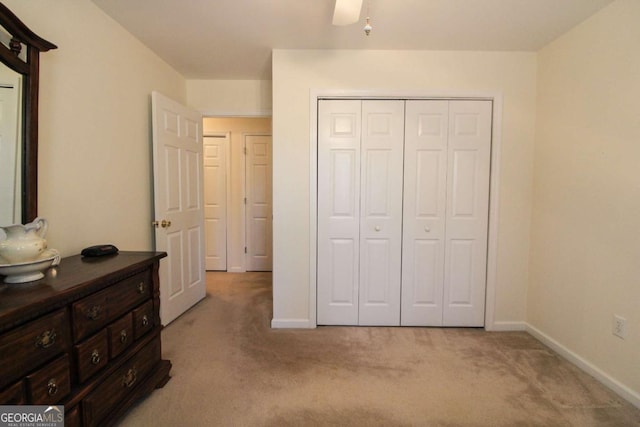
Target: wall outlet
619 326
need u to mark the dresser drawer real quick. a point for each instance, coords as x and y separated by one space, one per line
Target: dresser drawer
72 417
115 388
13 395
32 345
96 311
120 335
50 384
92 355
143 319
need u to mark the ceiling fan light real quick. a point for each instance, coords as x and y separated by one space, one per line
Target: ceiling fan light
367 28
347 12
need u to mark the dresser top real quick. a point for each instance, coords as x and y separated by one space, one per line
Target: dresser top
75 277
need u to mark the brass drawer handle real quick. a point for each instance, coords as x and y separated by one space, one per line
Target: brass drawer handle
123 336
145 321
46 339
95 357
130 377
52 387
94 312
141 288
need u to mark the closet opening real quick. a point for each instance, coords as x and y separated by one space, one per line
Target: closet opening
404 210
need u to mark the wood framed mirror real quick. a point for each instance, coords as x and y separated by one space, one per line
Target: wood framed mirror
20 53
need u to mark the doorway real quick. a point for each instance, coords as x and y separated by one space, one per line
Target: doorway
229 236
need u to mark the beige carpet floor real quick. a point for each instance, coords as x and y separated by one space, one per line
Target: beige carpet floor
231 369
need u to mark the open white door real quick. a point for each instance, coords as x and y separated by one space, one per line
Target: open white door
216 149
259 205
178 196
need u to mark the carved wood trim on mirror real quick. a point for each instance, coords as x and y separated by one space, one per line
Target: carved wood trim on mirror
28 66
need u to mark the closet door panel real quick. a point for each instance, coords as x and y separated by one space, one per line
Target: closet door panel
339 127
469 155
425 175
381 212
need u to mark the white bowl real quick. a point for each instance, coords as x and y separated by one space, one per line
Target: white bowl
29 271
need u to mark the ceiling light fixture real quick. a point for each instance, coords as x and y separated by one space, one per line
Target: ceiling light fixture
367 27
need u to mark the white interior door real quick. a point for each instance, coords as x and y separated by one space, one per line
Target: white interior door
216 149
338 277
381 212
178 199
424 216
468 169
403 212
360 149
259 203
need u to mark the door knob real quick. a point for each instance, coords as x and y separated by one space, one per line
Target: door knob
164 223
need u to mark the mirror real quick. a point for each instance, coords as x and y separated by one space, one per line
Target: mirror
19 53
10 146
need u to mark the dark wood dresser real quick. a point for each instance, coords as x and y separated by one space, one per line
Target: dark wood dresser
86 336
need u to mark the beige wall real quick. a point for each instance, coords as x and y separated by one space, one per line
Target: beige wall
237 128
296 72
95 155
585 247
230 97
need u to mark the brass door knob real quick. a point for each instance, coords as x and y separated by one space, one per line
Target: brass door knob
164 223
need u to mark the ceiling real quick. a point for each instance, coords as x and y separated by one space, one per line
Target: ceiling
233 39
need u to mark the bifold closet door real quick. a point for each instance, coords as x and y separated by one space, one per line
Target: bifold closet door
446 207
381 212
339 127
425 190
360 156
468 172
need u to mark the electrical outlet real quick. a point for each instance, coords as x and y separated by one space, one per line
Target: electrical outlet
619 326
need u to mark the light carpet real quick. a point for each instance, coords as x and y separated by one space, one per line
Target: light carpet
231 369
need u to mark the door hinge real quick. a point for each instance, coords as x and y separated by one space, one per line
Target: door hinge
245 249
245 150
245 200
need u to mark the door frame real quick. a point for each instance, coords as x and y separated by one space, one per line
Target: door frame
496 97
227 147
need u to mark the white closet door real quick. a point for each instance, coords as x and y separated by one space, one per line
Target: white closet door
425 187
339 127
381 212
469 155
215 201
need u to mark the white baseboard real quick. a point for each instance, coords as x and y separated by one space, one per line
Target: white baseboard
291 324
507 326
616 386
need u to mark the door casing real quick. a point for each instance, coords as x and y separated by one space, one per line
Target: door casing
494 190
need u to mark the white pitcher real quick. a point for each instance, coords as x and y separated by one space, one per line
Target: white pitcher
24 243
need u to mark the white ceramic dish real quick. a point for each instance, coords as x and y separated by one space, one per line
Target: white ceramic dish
31 270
